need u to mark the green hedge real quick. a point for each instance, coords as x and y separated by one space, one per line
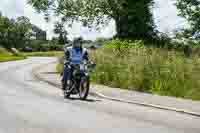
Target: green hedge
47 47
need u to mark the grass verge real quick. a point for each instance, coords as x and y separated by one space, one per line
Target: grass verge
151 70
5 58
59 67
44 54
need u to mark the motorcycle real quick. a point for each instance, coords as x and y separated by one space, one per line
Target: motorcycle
80 80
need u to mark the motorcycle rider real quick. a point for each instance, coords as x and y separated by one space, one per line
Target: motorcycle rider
73 55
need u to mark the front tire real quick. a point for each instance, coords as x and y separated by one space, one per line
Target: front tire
68 89
84 88
66 95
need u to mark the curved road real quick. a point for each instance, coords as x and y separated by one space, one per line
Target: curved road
31 106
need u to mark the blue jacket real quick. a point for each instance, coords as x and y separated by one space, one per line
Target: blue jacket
75 55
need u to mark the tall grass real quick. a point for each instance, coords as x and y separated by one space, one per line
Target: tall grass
152 70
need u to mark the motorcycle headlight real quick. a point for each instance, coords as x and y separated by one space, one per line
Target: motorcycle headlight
82 67
86 67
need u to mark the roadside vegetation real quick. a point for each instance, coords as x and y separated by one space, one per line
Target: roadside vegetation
5 58
44 54
152 70
152 61
8 56
19 38
142 59
132 65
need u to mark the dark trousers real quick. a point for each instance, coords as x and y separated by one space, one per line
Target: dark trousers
67 74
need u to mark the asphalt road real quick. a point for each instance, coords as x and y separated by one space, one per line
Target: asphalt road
31 106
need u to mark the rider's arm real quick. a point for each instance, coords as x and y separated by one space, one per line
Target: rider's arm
86 55
67 57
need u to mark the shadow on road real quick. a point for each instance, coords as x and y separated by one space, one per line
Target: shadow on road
49 72
87 100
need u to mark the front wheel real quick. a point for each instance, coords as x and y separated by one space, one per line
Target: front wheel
84 88
66 94
68 89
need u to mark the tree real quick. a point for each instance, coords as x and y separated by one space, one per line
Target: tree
61 31
190 9
133 17
23 31
38 33
6 31
54 40
14 33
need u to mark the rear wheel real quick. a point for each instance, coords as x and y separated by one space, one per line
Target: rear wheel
84 88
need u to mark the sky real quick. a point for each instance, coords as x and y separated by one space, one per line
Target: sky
164 11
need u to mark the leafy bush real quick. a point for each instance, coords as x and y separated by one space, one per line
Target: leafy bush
118 44
120 47
47 47
44 46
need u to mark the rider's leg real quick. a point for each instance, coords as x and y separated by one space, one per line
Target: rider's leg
66 76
